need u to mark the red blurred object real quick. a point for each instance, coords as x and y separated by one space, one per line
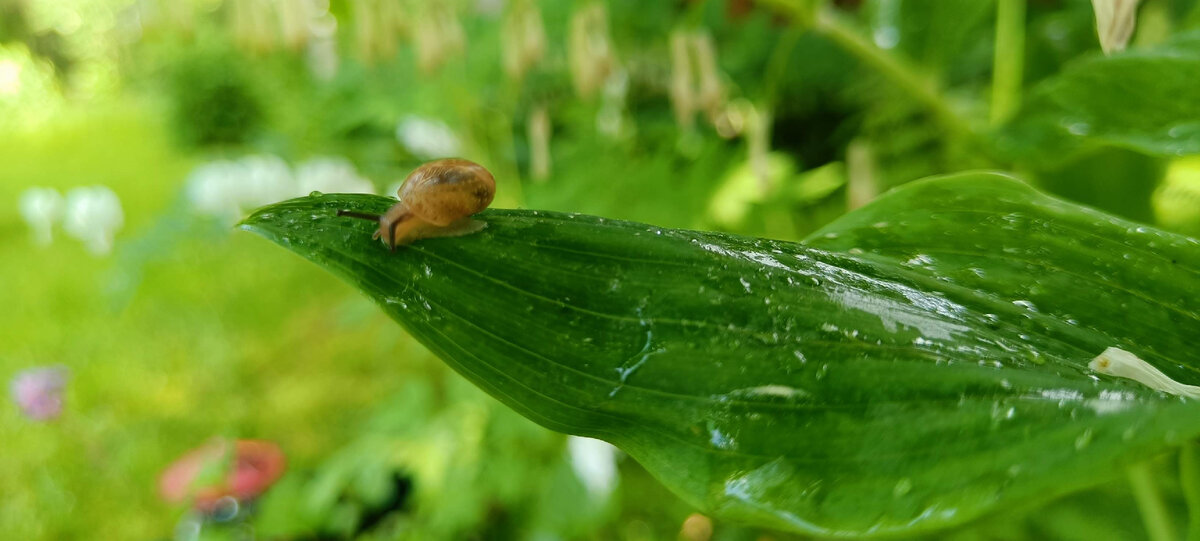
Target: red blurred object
241 469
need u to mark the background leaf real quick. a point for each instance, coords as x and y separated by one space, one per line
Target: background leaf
1142 99
920 363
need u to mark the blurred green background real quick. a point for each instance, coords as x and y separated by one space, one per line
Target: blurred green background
709 114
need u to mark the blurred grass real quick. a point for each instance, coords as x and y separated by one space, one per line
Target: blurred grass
192 331
201 349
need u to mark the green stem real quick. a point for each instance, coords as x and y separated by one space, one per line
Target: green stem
895 68
1189 479
1150 503
1008 64
778 63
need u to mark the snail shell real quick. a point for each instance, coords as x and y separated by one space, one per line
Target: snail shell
444 191
437 199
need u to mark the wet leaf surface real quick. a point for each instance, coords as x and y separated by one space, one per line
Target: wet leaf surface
916 364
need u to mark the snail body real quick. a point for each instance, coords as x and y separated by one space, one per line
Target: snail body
436 200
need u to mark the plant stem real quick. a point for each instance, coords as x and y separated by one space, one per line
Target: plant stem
777 65
895 68
1008 64
1150 503
1189 479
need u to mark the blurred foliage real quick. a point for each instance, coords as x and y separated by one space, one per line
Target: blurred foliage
188 332
213 101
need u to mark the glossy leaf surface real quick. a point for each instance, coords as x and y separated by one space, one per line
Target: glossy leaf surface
920 362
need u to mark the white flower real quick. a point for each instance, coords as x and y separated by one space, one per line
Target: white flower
427 138
1115 21
93 216
267 179
610 119
595 464
331 175
211 188
41 207
228 189
489 8
322 54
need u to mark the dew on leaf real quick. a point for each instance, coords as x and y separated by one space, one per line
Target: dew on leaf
1083 440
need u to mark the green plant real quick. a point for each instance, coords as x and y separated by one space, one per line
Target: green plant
213 99
917 364
914 365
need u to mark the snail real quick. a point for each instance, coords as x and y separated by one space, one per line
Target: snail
436 200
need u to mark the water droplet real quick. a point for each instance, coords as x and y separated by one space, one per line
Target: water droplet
721 440
315 194
903 486
1079 128
634 363
920 260
1083 440
886 37
822 371
745 284
1026 305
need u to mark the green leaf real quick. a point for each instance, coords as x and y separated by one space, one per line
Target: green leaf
1142 99
921 362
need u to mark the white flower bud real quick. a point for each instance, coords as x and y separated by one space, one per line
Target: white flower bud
265 179
1115 21
331 175
211 189
683 99
538 126
589 49
40 208
595 464
522 39
93 215
427 138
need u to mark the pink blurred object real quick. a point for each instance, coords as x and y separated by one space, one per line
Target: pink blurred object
38 391
243 470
